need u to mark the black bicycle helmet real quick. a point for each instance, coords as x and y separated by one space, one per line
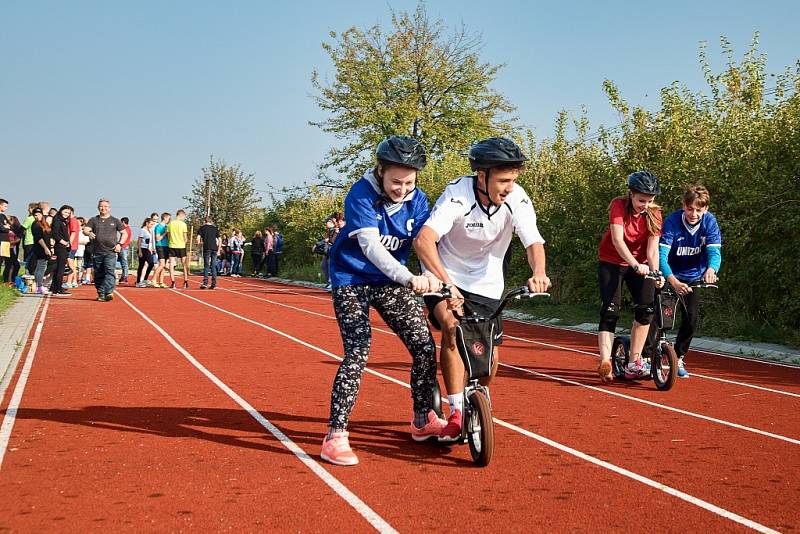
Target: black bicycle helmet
644 182
402 150
495 152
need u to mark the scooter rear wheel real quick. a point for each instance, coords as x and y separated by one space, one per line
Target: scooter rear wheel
665 366
620 353
480 429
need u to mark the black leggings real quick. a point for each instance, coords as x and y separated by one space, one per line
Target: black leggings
403 313
62 253
11 266
146 259
689 320
609 278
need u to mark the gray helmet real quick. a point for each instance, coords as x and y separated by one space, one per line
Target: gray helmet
644 182
402 150
495 152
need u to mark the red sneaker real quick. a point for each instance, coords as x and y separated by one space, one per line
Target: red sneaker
432 430
337 450
452 431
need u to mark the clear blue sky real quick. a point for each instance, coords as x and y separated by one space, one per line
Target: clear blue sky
128 99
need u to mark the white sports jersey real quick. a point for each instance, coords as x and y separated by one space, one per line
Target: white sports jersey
474 240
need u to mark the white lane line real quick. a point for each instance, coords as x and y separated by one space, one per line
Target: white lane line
566 381
656 405
734 382
16 397
722 512
596 461
285 290
360 506
595 355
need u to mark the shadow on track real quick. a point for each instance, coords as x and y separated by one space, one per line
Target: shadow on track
236 428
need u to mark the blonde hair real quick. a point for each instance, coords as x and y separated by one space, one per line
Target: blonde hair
653 221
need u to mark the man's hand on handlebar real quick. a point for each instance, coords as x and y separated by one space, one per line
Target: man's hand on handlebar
456 300
710 276
538 284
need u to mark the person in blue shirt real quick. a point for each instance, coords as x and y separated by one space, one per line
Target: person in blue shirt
383 211
690 249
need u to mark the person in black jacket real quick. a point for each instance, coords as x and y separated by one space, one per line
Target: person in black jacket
257 252
60 236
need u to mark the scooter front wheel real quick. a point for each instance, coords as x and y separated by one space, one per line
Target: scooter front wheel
665 366
479 429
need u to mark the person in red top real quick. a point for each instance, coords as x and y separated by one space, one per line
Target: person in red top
125 241
629 251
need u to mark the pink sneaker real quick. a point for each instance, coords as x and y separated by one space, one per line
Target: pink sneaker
635 370
432 430
452 431
337 450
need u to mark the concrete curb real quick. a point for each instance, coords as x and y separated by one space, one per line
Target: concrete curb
767 352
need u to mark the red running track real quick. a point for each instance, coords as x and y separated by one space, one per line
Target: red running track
155 415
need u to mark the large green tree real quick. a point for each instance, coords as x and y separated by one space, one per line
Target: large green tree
226 193
414 80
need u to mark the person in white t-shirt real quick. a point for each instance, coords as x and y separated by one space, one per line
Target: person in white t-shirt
473 222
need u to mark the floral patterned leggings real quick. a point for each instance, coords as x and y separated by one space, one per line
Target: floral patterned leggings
401 311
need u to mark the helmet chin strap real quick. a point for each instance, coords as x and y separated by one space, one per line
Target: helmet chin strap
491 204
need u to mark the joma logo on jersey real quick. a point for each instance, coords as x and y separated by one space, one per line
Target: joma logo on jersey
687 251
391 242
473 225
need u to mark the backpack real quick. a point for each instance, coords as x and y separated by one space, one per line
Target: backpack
278 245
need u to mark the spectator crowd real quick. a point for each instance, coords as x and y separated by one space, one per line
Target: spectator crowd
50 251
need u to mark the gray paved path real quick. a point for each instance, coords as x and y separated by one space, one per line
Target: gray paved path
15 326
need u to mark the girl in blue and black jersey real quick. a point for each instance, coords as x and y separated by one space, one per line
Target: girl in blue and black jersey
383 212
690 249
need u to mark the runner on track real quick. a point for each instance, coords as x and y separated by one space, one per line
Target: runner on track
627 251
690 249
473 222
384 212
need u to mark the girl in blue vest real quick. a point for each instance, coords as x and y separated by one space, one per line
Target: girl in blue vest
384 212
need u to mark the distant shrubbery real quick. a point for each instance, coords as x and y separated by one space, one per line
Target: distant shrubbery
742 140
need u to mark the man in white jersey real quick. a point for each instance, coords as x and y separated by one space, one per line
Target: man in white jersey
473 222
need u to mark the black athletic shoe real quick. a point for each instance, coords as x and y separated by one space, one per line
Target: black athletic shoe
186 285
62 293
203 286
213 287
172 286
